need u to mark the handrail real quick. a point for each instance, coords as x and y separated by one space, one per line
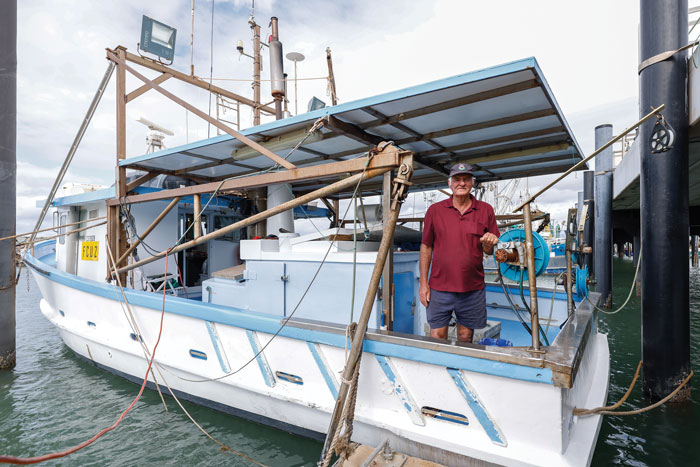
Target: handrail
595 153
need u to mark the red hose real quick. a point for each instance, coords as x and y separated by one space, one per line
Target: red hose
56 455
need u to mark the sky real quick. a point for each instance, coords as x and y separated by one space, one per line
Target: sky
587 50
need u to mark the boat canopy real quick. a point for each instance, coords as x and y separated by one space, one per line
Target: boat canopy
503 120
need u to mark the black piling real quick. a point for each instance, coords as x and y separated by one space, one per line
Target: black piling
8 172
664 202
603 248
589 228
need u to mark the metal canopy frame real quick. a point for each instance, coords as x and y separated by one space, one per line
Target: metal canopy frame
503 120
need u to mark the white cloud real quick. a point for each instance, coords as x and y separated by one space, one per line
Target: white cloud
587 50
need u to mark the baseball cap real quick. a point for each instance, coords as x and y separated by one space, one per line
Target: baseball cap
461 168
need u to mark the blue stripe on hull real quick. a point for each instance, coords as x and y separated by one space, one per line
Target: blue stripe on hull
270 324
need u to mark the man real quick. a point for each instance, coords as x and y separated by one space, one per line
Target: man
456 234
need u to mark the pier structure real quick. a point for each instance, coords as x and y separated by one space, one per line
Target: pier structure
589 229
659 190
8 179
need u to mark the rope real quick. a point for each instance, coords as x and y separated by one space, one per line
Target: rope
634 282
551 305
341 444
57 455
301 299
131 319
52 228
610 410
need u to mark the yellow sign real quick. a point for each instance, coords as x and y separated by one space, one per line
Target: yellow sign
90 251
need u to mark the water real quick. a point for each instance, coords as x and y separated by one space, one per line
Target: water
53 400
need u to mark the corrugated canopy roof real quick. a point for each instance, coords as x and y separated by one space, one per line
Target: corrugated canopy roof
503 120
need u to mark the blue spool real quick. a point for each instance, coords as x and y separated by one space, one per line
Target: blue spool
512 271
581 282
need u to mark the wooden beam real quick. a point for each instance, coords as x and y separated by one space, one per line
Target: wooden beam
137 92
385 159
140 181
325 191
471 99
242 138
193 80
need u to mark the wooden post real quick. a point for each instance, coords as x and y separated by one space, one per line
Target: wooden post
331 76
531 278
197 216
118 239
336 212
388 272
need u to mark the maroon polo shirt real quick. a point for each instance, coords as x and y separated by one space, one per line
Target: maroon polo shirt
457 264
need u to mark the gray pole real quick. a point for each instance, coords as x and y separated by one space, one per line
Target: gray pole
603 248
579 207
664 202
589 229
694 249
8 175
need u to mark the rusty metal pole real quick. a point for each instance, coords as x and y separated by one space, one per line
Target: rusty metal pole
386 245
569 277
257 65
8 179
388 272
531 278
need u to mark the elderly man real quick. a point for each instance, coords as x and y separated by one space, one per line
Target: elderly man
456 233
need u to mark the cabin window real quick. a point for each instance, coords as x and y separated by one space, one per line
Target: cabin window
223 221
62 229
82 215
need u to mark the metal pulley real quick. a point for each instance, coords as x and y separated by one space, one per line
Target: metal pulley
662 136
510 254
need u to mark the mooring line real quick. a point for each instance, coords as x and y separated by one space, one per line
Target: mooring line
135 327
610 410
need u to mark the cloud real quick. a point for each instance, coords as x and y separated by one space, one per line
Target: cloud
587 50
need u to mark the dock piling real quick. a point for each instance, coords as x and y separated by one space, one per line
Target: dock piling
8 179
603 249
664 202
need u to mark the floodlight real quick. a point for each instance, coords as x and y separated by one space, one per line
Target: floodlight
315 103
157 38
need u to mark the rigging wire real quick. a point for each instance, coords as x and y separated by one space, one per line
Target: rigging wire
211 64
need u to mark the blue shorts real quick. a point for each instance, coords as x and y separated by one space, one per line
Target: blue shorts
468 307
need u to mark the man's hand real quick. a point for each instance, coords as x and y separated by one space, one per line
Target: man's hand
488 241
424 293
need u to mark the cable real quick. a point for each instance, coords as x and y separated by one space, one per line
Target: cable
522 297
301 299
211 63
551 305
57 455
512 305
634 282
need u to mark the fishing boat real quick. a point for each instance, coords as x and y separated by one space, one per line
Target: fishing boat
257 319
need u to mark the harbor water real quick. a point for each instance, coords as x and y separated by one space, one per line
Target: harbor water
53 400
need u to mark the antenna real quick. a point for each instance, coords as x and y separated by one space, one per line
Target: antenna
156 135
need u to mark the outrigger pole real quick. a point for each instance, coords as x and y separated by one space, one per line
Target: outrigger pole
398 195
